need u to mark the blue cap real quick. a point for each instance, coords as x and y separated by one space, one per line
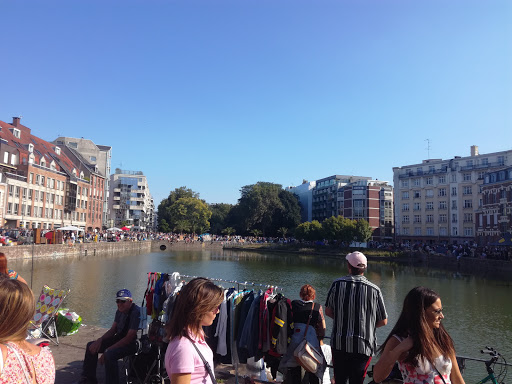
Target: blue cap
124 294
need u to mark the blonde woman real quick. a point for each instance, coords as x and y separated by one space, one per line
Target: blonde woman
20 361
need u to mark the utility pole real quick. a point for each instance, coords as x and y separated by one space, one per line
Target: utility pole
428 148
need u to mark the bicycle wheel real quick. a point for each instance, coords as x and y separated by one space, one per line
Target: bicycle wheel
156 379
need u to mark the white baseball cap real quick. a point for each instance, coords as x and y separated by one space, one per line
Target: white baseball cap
357 259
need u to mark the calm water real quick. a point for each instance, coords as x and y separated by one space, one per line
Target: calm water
477 312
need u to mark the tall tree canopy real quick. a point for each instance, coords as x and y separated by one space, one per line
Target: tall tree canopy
265 207
183 211
219 215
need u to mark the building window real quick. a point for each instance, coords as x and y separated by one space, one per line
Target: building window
417 194
454 178
417 231
454 191
442 231
417 218
429 193
405 183
429 206
468 217
416 182
405 207
9 208
454 217
405 219
468 190
405 231
430 180
442 218
441 192
17 193
430 218
11 190
468 231
417 206
442 179
467 177
501 160
454 204
405 195
16 208
430 231
468 203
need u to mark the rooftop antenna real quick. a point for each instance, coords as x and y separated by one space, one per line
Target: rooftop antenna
428 148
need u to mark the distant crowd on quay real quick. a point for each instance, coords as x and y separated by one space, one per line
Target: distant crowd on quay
20 236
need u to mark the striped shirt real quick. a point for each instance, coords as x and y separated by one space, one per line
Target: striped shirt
358 306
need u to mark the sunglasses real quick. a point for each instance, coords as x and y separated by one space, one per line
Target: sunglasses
120 301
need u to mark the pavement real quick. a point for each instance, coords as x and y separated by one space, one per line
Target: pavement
69 357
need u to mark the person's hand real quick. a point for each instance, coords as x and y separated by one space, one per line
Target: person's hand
95 347
101 360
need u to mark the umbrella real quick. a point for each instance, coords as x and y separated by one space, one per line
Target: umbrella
125 229
70 228
114 229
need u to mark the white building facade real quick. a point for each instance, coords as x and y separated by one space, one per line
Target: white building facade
436 200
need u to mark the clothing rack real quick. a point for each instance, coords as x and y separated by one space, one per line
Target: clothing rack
245 283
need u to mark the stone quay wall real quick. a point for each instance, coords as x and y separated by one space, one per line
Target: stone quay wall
77 249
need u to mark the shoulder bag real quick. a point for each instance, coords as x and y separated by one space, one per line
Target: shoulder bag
306 355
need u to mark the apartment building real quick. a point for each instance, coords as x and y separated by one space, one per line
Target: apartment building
95 161
43 188
436 200
355 197
304 193
494 216
130 201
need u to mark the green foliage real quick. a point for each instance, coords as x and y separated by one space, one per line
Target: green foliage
266 207
228 231
256 232
218 221
190 215
309 231
282 231
183 211
363 231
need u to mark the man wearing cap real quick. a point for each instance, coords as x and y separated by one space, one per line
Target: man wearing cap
357 307
119 341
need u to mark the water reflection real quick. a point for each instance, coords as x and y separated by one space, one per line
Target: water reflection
478 311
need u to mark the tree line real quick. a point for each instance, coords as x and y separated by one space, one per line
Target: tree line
263 209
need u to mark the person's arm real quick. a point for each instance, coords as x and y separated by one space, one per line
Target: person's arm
21 279
381 323
131 335
95 347
455 375
329 312
395 350
320 326
180 378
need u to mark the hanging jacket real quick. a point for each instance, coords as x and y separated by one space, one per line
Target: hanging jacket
281 326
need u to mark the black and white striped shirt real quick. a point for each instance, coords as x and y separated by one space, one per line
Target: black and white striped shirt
358 306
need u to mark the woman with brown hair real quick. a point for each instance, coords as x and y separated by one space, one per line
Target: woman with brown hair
189 360
304 311
420 343
20 361
9 272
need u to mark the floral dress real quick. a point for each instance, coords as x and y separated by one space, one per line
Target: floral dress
424 373
14 373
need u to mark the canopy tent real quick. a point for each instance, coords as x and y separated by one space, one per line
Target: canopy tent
125 229
70 228
114 229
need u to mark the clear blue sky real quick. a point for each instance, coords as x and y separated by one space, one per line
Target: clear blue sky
218 94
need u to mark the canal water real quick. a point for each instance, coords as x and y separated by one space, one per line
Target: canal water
478 312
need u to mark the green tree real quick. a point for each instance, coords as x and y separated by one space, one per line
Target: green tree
283 231
182 217
309 231
228 231
191 215
164 227
218 221
332 227
266 207
256 232
363 232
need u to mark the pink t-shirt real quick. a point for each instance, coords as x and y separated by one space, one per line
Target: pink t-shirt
182 357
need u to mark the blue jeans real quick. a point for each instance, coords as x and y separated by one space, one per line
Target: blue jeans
110 359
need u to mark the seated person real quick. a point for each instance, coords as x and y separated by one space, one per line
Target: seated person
119 341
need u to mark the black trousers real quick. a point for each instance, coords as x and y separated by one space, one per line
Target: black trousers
349 366
295 376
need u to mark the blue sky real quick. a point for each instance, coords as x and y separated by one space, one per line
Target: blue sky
218 94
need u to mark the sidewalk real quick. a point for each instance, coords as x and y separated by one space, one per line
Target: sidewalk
69 356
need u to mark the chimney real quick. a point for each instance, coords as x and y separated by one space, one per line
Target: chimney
16 121
474 150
